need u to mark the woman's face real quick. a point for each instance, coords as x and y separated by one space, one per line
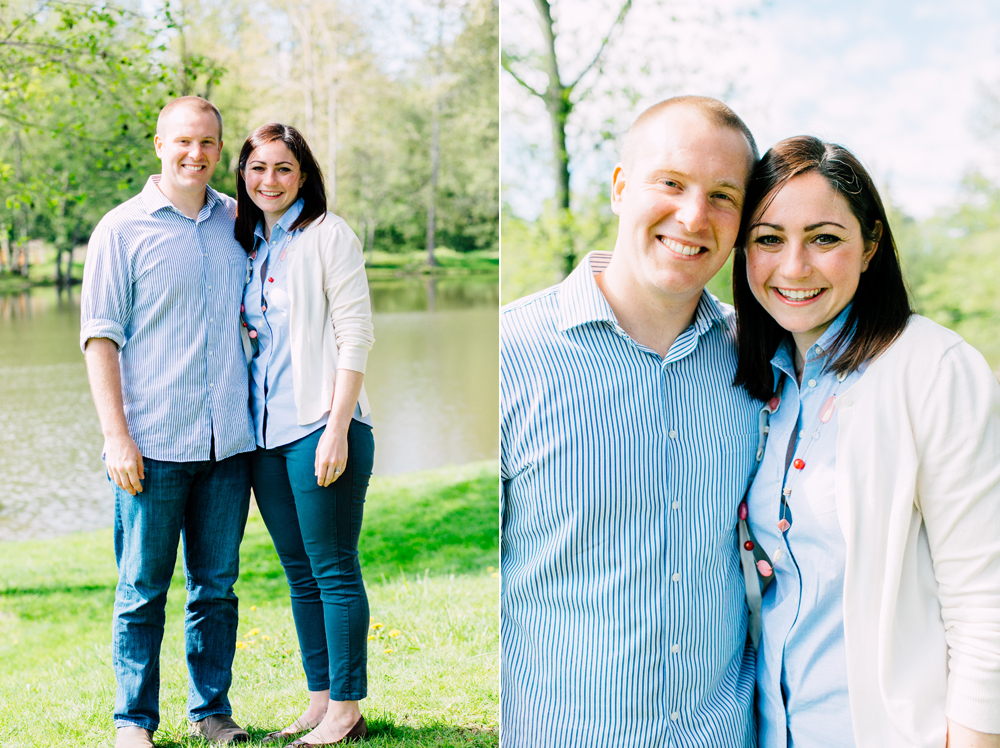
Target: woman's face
805 256
273 179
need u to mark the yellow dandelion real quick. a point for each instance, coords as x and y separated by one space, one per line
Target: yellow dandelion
253 632
254 607
394 633
488 568
267 638
389 650
371 638
495 575
241 645
376 626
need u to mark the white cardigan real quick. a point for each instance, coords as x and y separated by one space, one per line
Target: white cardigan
331 315
918 499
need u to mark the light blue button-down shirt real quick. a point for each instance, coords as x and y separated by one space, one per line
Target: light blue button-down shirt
801 661
167 290
623 617
268 311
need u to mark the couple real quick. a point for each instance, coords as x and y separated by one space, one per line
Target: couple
172 278
636 409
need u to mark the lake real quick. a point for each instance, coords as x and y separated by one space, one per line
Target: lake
432 379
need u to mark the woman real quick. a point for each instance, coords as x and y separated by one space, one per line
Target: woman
875 513
307 309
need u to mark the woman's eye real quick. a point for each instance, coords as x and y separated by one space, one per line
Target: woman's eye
767 240
826 239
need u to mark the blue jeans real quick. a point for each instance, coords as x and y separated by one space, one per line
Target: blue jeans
206 504
315 531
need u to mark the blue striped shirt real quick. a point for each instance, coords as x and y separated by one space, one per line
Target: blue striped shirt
167 290
622 614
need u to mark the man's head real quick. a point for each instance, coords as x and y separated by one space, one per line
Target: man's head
188 143
678 192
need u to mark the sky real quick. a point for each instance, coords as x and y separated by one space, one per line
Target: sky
898 82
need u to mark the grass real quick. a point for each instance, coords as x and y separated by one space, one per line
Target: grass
380 265
429 549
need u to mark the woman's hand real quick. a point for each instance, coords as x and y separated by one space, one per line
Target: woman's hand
331 455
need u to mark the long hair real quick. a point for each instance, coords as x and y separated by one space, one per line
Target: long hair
881 306
312 191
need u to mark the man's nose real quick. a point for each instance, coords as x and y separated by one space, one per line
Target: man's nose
693 212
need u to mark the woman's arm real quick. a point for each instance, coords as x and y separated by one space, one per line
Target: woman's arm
963 737
331 452
958 488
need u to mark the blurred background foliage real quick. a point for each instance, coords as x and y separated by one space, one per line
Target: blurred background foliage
399 102
951 259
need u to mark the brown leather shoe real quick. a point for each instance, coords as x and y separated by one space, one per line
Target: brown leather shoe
359 731
133 736
219 728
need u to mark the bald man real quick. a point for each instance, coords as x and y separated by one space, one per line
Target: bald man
625 451
160 329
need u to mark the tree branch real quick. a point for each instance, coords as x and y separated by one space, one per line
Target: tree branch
604 43
505 61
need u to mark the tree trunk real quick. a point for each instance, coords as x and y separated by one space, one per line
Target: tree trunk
559 106
431 202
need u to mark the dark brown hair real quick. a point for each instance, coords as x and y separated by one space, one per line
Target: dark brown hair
881 306
312 190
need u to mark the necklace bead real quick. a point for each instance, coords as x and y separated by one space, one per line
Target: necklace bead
748 545
798 464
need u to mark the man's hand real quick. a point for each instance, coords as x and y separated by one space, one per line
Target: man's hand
124 463
121 454
331 455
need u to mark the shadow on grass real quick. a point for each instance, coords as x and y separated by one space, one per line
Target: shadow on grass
382 734
82 589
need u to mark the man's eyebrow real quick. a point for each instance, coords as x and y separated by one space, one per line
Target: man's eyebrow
732 186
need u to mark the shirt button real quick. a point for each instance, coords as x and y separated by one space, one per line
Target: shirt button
209 353
802 433
210 384
676 577
675 716
676 505
675 648
812 382
672 434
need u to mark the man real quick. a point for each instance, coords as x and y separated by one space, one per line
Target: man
625 451
160 307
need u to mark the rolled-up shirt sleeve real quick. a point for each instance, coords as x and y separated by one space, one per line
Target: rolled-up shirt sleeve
106 295
346 287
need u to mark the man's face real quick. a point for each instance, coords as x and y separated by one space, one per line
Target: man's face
188 147
679 199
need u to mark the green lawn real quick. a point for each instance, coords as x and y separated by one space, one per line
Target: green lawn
429 549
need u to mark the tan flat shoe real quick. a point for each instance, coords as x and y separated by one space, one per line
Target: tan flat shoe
359 731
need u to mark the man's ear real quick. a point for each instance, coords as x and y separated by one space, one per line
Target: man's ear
157 144
617 186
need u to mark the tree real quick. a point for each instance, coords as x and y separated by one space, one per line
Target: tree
560 98
76 87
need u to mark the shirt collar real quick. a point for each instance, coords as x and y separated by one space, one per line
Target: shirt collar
286 220
783 357
581 301
154 200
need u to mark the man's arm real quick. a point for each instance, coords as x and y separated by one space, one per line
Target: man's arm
121 454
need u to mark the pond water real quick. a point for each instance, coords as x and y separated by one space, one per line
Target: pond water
432 379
